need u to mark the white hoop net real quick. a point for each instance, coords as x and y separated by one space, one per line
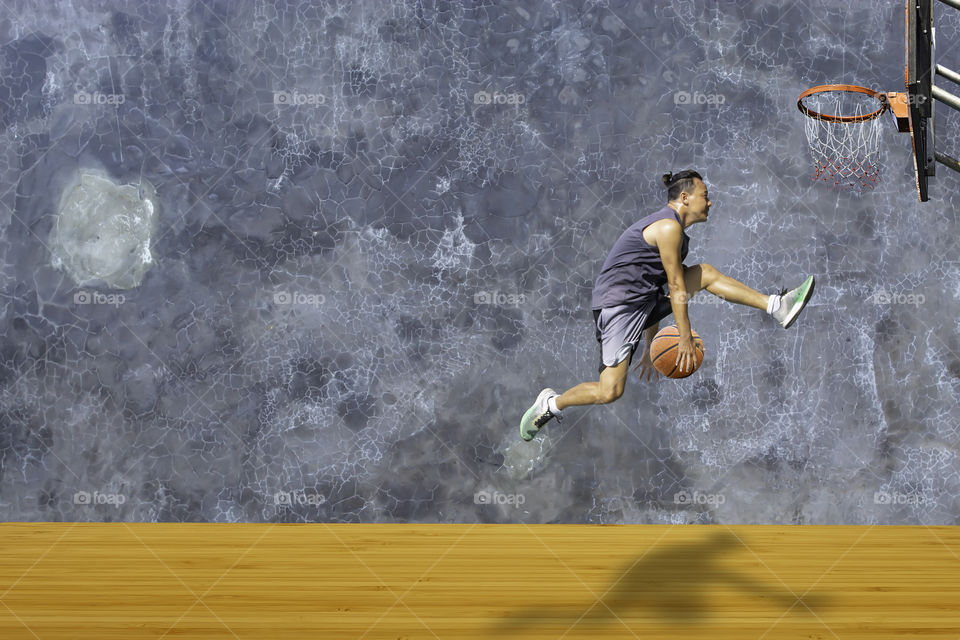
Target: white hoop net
845 154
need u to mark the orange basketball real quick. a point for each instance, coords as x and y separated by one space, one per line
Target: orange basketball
663 352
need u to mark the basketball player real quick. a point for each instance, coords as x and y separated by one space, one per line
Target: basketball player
628 298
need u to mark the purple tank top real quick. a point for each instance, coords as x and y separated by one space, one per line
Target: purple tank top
633 270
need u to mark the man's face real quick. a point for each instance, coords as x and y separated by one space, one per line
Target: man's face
698 203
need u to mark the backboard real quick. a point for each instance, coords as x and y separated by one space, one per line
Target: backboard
919 80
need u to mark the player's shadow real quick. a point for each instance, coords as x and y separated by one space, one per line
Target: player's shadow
671 584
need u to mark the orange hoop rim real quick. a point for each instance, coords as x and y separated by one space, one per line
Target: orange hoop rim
881 98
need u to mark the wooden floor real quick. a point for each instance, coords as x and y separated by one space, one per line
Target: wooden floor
460 582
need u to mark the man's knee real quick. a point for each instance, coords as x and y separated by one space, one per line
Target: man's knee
612 381
610 393
707 272
698 277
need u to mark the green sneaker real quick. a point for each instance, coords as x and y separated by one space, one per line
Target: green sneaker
537 415
792 303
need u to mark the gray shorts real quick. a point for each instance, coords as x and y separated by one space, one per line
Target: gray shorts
620 329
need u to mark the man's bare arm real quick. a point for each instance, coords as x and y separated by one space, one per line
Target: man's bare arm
670 241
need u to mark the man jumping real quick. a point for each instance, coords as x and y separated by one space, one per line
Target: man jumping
628 298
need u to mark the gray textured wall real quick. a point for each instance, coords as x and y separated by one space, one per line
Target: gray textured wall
404 205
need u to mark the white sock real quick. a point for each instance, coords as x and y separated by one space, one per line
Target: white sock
552 405
773 303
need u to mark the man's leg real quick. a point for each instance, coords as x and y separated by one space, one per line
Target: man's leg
783 306
705 276
621 331
607 389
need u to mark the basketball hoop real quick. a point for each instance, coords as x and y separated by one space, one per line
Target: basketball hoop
845 143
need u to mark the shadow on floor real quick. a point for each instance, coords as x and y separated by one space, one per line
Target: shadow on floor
670 585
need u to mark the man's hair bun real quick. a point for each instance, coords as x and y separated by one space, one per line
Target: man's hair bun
679 182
